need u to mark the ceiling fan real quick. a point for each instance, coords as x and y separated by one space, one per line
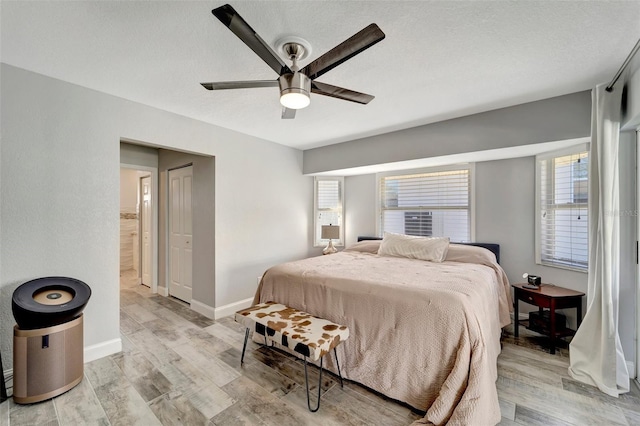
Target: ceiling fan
296 84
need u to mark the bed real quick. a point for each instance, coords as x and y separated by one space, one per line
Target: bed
424 333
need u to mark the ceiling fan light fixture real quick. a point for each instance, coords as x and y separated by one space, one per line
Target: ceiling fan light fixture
294 90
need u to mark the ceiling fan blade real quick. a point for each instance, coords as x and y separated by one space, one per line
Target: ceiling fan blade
344 51
229 17
340 93
220 85
288 113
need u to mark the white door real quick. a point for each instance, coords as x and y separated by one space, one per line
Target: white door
145 226
180 233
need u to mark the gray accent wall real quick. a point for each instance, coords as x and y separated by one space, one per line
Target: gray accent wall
554 119
59 186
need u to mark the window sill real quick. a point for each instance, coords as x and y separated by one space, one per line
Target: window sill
565 267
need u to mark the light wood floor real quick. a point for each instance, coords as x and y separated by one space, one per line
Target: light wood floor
180 368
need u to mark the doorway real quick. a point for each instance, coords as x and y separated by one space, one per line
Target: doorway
138 224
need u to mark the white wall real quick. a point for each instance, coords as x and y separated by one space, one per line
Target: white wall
359 207
59 186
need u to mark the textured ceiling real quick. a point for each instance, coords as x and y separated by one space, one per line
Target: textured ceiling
440 59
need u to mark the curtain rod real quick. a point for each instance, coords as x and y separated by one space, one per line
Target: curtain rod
609 87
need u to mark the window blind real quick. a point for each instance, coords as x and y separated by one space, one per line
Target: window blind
328 207
563 215
427 204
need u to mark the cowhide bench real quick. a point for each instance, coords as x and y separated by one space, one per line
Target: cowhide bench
299 331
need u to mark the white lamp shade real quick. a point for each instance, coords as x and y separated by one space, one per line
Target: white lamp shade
330 232
294 100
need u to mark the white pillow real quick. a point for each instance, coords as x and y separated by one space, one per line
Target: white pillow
423 248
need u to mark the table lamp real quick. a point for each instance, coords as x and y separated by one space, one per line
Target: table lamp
330 232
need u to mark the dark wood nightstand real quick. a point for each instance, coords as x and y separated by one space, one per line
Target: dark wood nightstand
550 297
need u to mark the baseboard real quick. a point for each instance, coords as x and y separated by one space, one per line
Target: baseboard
163 291
203 309
232 308
93 352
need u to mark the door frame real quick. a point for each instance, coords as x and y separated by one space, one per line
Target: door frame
154 219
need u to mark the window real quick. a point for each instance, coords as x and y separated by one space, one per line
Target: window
562 197
427 204
328 196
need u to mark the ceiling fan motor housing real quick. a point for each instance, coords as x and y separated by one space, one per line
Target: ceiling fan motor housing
294 83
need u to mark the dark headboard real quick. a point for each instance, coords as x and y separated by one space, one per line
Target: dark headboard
492 247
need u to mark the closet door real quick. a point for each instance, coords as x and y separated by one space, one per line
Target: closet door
180 233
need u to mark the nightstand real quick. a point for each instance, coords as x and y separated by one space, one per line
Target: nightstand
550 297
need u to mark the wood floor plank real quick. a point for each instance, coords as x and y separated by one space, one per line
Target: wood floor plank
217 371
261 403
536 418
152 348
127 324
566 406
151 385
166 332
177 379
123 404
293 368
133 364
239 414
138 313
80 406
360 407
384 401
174 410
4 412
507 422
34 414
507 409
197 378
206 341
264 376
632 416
328 414
127 345
211 401
102 371
629 401
232 337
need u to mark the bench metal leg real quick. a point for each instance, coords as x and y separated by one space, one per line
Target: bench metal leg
306 381
246 336
338 365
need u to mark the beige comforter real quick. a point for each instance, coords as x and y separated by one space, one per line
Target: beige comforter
424 333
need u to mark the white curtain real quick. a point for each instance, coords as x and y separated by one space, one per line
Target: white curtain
595 352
